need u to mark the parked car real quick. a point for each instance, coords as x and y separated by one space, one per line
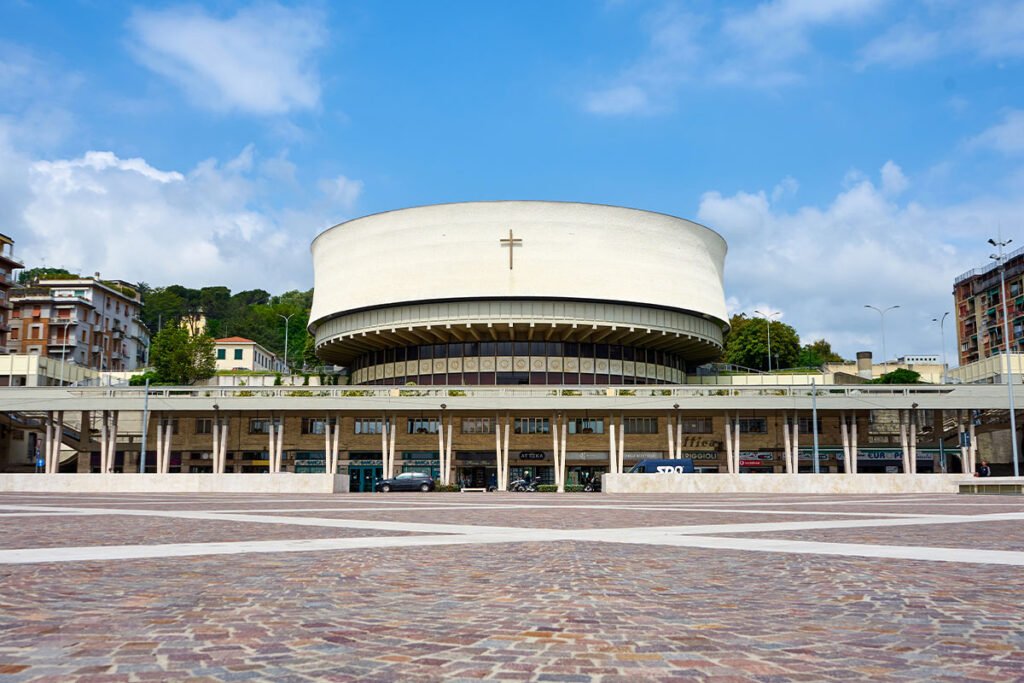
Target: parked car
407 481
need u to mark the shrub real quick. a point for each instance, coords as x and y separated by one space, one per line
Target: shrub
547 488
447 488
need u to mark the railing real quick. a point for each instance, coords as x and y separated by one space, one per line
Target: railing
497 392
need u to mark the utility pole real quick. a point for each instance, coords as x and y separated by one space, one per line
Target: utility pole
286 319
885 357
768 319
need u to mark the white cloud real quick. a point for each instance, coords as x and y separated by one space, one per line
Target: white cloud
259 60
127 219
904 45
756 48
893 180
1006 137
341 191
821 264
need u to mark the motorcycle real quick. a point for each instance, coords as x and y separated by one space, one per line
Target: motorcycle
522 486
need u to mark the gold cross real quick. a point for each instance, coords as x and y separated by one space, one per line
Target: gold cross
510 243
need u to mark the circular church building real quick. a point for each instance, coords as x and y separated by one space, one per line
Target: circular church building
518 292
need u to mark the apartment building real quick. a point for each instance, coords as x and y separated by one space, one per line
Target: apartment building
239 353
979 310
87 321
8 264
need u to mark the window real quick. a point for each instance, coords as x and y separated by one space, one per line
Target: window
313 425
368 425
753 425
221 354
640 425
421 425
807 425
477 425
533 425
697 425
238 354
259 425
204 425
586 425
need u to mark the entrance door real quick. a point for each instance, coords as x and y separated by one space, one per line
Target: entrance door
362 478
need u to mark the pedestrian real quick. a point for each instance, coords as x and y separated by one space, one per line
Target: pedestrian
984 470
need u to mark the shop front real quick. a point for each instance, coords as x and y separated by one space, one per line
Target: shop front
364 471
310 462
476 469
890 460
829 460
531 466
757 462
583 466
426 462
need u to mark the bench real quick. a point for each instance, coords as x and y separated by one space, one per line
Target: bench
468 490
1005 486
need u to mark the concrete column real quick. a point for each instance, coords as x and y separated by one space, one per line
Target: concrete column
440 448
622 446
165 466
679 436
58 441
728 443
561 456
497 443
961 429
271 445
786 448
48 444
159 444
334 444
384 429
112 452
845 435
503 472
736 444
280 444
670 430
215 447
223 451
904 443
796 442
554 445
972 456
913 441
391 452
104 443
613 458
854 449
327 444
448 456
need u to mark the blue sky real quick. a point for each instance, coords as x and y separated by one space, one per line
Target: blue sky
850 151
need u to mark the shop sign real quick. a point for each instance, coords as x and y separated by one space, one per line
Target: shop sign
421 463
586 456
365 462
532 455
756 455
892 454
754 463
700 455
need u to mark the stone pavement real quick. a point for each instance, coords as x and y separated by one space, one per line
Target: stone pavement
518 587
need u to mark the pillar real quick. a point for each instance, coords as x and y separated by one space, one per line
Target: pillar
854 449
903 442
613 457
972 456
670 430
440 449
159 444
104 442
795 442
728 443
503 471
554 445
334 444
787 450
223 450
736 444
271 445
328 429
384 429
913 441
391 452
561 456
279 454
622 446
48 443
165 466
497 445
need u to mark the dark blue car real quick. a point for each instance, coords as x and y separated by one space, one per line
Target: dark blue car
407 481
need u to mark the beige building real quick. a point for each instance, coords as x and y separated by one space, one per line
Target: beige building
8 264
239 353
84 321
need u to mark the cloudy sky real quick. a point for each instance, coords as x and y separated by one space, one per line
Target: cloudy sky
852 152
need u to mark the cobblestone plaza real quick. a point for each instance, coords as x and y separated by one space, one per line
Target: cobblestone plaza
511 587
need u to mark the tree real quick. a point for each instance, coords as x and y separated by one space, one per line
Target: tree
30 275
747 344
900 376
817 353
180 358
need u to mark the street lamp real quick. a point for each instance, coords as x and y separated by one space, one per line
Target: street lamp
882 312
768 319
286 318
1000 260
942 331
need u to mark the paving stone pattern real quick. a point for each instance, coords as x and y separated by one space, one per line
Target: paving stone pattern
619 601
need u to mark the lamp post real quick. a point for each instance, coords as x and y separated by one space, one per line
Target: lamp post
881 313
942 331
1000 260
286 318
768 319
